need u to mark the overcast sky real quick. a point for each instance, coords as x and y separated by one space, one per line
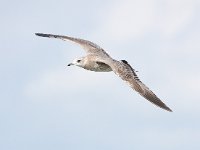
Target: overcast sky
45 105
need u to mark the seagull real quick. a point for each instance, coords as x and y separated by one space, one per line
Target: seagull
99 60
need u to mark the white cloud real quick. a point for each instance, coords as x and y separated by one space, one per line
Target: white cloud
174 16
59 81
127 19
133 19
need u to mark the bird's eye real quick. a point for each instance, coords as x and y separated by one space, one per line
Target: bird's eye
78 61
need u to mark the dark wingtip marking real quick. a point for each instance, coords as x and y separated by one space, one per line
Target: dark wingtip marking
133 70
168 109
41 34
124 61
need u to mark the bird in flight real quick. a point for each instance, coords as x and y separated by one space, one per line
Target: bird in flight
99 61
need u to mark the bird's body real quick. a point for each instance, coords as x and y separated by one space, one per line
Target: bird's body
99 61
91 63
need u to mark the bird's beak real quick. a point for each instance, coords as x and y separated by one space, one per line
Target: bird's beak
70 64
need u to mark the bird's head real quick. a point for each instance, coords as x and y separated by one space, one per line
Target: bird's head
77 62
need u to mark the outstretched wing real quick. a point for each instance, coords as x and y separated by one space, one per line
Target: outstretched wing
127 73
89 47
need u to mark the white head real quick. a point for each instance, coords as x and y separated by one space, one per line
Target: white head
77 62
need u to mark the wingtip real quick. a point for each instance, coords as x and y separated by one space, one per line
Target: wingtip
37 33
41 34
47 35
168 109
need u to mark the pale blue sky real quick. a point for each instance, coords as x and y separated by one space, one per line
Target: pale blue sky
46 105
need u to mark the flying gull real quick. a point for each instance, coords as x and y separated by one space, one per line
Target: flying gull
99 61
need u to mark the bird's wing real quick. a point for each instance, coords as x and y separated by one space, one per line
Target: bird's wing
127 73
89 47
